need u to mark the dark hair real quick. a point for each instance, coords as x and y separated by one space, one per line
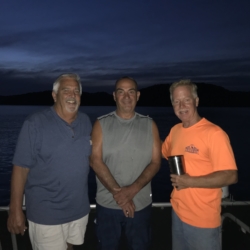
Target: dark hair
128 78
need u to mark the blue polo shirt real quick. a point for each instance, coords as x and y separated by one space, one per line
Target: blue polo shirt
57 155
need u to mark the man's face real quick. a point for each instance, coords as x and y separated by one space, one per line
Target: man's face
68 97
126 96
185 105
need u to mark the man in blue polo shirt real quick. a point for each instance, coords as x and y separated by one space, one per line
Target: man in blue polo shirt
51 164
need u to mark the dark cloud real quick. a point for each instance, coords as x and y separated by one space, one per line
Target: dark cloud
231 73
153 41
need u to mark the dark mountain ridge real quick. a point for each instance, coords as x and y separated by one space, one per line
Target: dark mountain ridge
154 96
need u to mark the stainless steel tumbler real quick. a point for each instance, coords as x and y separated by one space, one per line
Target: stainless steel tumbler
176 164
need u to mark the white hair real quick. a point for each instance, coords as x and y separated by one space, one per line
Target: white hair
68 75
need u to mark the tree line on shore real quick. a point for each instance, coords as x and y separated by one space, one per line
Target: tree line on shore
154 96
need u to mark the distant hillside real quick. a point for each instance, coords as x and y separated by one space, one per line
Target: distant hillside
45 98
210 96
157 95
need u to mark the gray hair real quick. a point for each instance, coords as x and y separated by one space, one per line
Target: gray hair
183 82
74 76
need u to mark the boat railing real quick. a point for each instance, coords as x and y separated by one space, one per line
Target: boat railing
245 228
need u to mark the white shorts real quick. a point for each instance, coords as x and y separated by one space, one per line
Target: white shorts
56 237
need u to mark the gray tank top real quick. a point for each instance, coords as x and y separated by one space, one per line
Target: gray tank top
127 151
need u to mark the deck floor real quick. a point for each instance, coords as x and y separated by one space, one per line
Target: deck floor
233 237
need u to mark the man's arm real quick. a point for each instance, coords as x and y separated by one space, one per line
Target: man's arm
127 193
97 163
214 180
16 220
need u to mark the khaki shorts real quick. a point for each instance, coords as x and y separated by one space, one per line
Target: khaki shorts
56 237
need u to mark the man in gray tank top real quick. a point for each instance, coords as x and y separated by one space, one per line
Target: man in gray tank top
126 154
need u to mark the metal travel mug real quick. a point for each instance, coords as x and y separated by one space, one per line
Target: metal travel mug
176 164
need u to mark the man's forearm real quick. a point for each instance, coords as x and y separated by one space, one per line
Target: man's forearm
213 180
146 176
18 180
216 179
16 220
127 193
105 176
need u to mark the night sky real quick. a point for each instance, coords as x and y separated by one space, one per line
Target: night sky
154 41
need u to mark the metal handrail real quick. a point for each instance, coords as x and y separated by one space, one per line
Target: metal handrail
244 228
162 205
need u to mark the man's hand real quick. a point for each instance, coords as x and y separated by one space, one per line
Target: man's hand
16 222
129 209
123 200
124 195
180 181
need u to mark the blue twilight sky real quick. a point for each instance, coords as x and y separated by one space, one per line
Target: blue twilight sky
154 41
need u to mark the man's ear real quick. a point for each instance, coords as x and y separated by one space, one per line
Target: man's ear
114 96
197 101
54 96
138 95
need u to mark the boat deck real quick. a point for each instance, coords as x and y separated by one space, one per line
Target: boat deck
232 235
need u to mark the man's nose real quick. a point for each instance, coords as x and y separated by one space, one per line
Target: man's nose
126 94
182 104
72 93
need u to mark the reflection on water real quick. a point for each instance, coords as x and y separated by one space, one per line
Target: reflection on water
235 121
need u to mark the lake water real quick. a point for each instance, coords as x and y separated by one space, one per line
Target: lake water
235 121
